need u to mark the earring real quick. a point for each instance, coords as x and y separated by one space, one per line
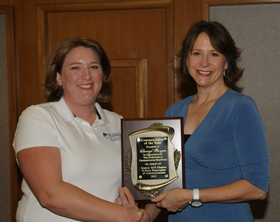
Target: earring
224 73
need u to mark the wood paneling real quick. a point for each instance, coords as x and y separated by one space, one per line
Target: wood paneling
126 30
10 39
128 84
187 12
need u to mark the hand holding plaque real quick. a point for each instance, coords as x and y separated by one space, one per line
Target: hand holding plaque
151 161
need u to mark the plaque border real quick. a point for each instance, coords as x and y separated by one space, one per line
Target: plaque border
131 125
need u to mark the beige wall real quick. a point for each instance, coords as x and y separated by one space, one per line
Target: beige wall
256 30
4 128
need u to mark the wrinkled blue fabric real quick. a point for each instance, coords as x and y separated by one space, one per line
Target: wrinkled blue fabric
229 145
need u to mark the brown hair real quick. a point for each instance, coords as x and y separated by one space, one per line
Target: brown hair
53 92
221 40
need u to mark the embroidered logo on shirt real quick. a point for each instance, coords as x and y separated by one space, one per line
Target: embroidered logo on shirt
112 136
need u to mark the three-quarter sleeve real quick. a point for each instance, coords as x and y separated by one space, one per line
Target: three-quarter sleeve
250 142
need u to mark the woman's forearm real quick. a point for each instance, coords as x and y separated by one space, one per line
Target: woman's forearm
72 202
238 191
177 199
41 168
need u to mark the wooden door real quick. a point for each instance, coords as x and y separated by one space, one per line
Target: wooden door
137 36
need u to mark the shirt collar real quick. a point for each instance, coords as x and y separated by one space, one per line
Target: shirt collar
101 116
68 116
64 110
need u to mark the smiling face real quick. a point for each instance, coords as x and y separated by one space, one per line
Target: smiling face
205 63
81 77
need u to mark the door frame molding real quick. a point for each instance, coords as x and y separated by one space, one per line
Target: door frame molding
12 106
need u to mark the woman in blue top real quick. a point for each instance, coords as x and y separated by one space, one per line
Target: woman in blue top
226 154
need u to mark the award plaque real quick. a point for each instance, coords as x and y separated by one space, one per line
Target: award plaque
152 156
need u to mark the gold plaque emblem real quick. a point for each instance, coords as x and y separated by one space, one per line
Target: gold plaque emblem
152 160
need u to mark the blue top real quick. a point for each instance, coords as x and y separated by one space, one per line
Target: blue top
228 145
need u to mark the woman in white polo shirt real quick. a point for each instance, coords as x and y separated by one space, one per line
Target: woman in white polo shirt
69 149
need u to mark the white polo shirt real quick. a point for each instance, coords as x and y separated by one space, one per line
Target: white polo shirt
90 155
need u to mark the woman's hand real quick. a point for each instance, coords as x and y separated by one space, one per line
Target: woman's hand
127 200
173 200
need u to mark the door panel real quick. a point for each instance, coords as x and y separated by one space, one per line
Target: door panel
127 31
127 80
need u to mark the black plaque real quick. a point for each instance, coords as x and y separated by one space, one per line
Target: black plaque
152 156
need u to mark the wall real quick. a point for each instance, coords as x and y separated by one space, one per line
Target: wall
256 30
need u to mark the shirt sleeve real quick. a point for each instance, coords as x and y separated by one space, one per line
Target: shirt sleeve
250 142
34 129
